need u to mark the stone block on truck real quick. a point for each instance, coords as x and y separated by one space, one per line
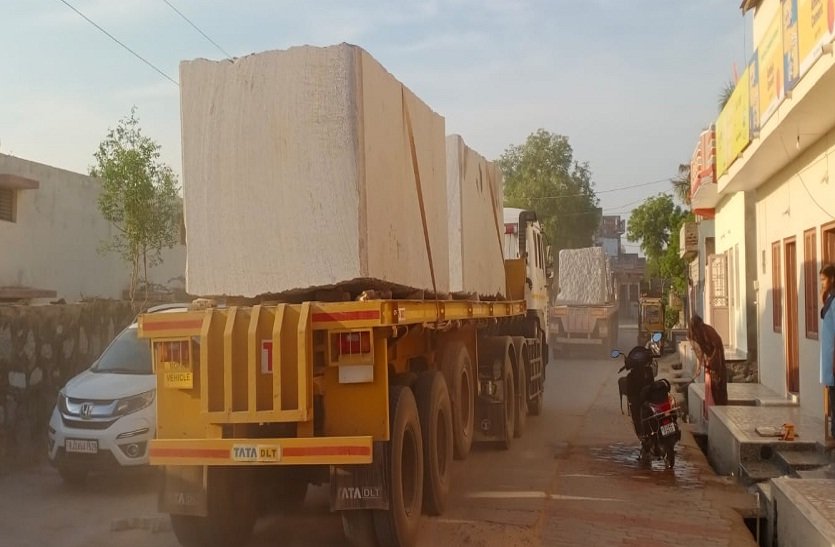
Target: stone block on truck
585 310
331 372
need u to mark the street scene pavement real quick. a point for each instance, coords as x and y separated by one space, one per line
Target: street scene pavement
572 479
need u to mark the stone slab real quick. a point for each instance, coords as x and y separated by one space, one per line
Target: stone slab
583 277
475 211
739 394
732 437
298 174
805 512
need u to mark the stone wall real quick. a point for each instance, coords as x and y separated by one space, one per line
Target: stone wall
41 347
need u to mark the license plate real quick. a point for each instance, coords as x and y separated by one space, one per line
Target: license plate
81 446
668 429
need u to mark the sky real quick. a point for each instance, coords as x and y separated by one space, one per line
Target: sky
630 82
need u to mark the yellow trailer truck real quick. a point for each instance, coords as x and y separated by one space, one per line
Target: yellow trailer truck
374 397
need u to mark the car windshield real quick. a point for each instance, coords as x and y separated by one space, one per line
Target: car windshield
127 354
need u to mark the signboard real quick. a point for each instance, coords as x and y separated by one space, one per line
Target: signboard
770 62
815 27
753 95
733 132
177 375
791 45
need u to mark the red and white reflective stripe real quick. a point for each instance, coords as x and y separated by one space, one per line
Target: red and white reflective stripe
341 316
183 324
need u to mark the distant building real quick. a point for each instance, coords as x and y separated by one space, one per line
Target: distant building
50 233
609 234
628 269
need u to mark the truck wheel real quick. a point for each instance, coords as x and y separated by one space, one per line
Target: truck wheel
435 413
535 405
509 407
291 490
358 527
522 401
458 371
232 512
398 526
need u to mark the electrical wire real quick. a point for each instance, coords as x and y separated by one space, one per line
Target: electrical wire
803 182
195 27
607 191
134 53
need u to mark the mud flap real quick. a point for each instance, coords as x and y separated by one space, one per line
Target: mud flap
489 424
184 491
361 486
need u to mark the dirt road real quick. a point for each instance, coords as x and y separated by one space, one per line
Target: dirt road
572 479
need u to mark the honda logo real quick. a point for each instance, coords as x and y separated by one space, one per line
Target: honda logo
86 410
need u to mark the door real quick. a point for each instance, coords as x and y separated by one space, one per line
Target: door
718 292
790 339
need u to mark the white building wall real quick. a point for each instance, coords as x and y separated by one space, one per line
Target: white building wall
800 197
55 240
707 229
731 233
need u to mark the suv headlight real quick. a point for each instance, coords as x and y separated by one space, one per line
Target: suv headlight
129 405
62 402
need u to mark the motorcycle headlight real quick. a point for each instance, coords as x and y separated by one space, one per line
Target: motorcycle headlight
129 405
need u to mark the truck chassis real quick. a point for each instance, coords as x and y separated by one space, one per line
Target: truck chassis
374 397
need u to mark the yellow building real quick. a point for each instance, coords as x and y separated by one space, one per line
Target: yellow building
773 197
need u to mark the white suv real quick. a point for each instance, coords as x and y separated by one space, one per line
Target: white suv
106 415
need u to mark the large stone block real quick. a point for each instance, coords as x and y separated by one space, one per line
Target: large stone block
583 277
298 173
475 197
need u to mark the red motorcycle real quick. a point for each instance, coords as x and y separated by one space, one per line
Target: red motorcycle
653 410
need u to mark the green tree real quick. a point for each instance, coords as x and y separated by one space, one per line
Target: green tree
543 175
656 224
139 197
725 94
681 184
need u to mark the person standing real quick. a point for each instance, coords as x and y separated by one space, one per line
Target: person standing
827 340
710 353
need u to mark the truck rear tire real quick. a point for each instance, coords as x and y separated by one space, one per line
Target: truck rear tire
398 526
521 417
535 405
458 371
232 512
509 406
291 490
435 412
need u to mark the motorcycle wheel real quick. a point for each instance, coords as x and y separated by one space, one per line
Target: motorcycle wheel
644 458
670 456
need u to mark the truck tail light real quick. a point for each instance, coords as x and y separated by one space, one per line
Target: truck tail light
351 344
172 352
510 228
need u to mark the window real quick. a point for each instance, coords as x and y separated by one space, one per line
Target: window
810 282
8 204
776 288
828 241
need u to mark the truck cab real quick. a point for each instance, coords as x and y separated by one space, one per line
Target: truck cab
525 239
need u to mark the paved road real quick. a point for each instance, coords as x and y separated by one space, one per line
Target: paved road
573 479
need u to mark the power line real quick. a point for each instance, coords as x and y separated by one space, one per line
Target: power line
195 27
135 54
607 191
